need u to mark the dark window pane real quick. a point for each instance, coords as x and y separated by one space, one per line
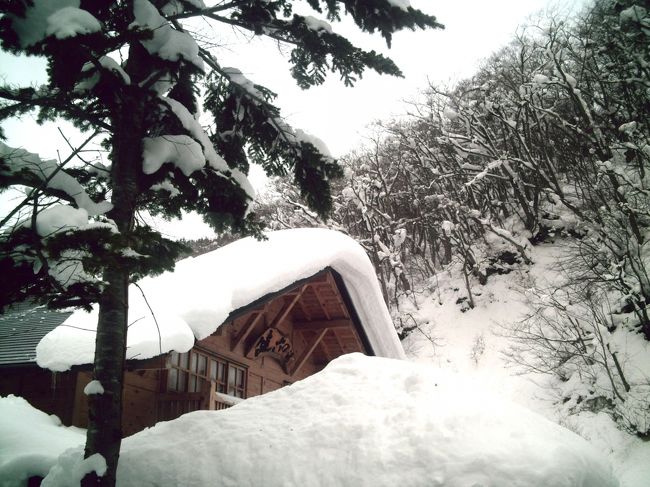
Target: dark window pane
193 362
203 365
193 384
171 380
174 358
182 381
213 370
221 374
184 360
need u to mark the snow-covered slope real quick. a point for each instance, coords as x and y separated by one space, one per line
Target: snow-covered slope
198 296
472 343
362 421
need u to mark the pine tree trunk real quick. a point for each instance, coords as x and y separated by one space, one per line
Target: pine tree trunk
105 410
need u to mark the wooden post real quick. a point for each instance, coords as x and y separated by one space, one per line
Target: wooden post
212 395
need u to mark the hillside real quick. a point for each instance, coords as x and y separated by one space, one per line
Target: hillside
477 344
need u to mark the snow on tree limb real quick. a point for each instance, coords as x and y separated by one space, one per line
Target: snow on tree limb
30 168
167 42
59 18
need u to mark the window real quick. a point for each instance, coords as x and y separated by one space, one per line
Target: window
194 370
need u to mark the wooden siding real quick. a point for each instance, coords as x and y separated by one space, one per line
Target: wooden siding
52 392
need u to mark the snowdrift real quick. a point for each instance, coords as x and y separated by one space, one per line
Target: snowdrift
31 441
363 421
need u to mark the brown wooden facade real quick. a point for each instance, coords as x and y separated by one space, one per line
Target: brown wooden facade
277 340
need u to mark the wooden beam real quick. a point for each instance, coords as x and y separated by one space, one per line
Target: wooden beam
306 353
337 294
320 303
288 307
321 324
303 309
325 349
338 341
282 314
246 330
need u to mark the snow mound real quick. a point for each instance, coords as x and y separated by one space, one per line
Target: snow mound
30 441
365 421
194 300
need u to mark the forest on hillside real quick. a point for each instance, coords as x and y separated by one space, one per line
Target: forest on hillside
549 140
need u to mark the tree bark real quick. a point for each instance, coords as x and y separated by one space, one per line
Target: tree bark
105 410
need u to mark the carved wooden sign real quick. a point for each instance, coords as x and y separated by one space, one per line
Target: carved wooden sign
274 342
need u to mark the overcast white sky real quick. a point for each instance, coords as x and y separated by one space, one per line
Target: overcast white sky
338 115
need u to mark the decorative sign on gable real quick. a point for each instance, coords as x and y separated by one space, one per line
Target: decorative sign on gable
273 342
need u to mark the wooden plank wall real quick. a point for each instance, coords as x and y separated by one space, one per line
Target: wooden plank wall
52 392
139 400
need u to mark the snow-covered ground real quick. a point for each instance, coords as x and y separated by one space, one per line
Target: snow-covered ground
456 414
31 441
471 342
363 421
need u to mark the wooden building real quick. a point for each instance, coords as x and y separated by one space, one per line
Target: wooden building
276 340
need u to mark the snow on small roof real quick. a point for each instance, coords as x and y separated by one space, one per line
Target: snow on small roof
404 424
193 301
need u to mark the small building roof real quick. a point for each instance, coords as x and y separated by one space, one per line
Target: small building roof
22 327
204 292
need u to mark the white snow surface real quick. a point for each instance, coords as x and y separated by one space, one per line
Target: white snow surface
167 43
402 4
32 28
30 441
70 22
317 25
109 64
198 296
365 421
59 218
181 150
93 387
472 342
71 467
303 136
194 128
235 76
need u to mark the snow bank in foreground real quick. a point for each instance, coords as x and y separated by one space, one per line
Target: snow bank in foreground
30 441
199 295
365 421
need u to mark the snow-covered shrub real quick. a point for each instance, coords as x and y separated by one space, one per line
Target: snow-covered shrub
596 354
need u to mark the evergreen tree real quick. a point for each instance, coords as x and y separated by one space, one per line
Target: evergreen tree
127 71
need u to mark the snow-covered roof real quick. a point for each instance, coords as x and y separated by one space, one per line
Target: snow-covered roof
405 424
193 301
21 328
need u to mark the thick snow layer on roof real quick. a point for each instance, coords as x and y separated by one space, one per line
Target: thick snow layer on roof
364 421
198 296
30 441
